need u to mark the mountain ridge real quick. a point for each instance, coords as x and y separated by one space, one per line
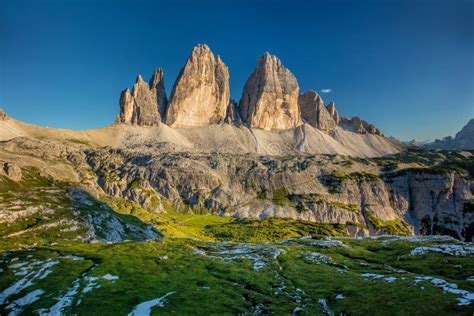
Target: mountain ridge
464 139
270 99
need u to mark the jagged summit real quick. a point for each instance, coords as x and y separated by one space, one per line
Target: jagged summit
331 107
200 95
146 103
270 97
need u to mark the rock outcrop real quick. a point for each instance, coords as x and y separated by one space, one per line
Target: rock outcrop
464 139
355 124
312 188
201 97
270 97
3 115
359 126
333 112
201 94
146 103
314 113
12 171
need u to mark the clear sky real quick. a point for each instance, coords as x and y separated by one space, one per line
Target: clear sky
406 66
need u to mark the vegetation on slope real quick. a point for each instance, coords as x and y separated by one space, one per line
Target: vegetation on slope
310 277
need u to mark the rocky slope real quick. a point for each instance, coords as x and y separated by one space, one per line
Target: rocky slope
464 139
362 195
222 138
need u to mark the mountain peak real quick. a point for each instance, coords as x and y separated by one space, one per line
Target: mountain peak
145 104
270 97
201 93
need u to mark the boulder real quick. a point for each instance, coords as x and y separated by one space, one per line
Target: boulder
12 171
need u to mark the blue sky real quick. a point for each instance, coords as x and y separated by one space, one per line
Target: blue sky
406 66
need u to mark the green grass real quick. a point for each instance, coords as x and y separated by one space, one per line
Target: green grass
427 160
52 213
210 261
214 286
79 141
272 229
392 227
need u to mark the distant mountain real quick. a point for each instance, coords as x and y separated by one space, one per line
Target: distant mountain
464 139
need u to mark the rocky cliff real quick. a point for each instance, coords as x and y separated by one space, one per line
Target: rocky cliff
316 189
146 103
363 196
200 95
333 112
270 97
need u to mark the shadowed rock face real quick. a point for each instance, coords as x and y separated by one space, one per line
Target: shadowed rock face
314 113
332 111
146 103
232 115
201 94
270 97
359 126
354 124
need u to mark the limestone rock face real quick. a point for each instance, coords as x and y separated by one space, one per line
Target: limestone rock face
333 112
201 94
232 116
270 97
146 103
314 112
157 83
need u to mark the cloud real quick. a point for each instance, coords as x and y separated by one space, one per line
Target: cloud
326 90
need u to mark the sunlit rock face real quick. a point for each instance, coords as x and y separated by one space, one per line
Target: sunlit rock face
146 103
201 94
270 97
